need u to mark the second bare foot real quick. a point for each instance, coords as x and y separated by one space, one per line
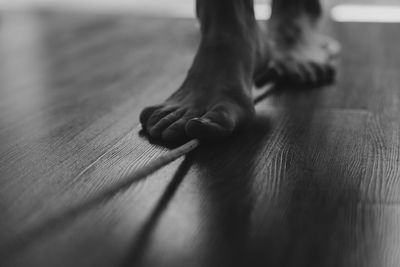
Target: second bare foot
298 54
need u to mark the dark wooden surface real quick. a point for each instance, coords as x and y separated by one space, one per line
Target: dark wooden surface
314 181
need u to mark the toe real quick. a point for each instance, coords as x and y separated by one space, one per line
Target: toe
146 113
157 115
164 122
271 73
330 72
176 131
314 73
204 128
217 123
323 73
294 73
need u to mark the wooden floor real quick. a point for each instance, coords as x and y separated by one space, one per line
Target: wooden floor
315 181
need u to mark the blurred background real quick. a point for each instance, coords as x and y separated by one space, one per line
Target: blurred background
381 9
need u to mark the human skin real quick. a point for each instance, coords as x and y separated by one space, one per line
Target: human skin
214 100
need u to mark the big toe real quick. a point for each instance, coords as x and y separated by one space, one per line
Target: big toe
217 123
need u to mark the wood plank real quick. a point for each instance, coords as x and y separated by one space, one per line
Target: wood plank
313 182
52 130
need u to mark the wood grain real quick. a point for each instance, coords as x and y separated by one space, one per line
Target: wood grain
313 182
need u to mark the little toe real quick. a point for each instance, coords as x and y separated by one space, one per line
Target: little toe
156 130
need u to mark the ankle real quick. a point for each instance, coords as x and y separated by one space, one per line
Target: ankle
286 32
294 8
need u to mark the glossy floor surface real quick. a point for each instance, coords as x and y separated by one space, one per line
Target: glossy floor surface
315 181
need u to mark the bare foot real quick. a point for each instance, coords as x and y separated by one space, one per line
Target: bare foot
297 54
213 101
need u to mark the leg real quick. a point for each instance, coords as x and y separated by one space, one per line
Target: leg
298 54
215 98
